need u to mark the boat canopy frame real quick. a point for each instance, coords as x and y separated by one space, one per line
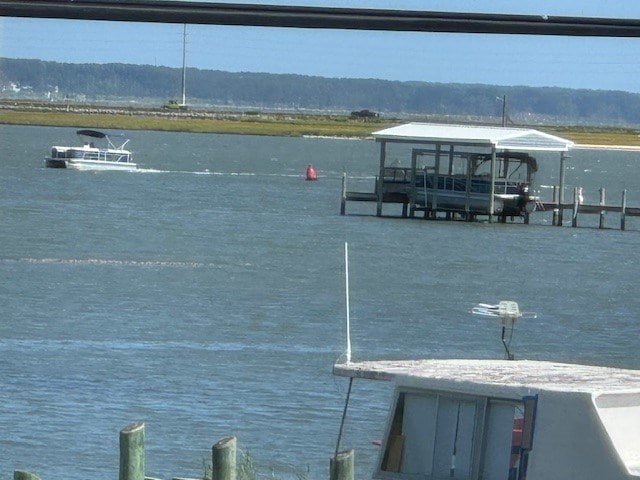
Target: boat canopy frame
102 135
496 141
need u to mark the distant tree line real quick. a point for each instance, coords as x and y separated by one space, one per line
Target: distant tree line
264 90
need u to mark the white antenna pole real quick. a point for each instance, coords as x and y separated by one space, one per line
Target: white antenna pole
346 270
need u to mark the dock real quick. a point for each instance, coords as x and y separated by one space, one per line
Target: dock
464 172
578 208
574 209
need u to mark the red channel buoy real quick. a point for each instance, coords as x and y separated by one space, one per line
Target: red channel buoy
311 173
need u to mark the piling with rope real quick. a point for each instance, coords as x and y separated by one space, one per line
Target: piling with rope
341 466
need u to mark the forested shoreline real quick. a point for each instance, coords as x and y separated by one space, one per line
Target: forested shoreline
153 85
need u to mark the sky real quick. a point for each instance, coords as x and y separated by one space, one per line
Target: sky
548 61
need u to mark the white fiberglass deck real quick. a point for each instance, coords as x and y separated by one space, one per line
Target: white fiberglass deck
498 374
585 423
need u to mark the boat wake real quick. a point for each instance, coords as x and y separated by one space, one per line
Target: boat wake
223 174
115 263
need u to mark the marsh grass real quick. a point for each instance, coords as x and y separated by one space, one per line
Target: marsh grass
255 123
249 125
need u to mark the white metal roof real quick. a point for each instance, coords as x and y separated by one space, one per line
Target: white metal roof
479 375
502 138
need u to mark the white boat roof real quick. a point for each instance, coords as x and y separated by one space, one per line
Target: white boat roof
502 138
495 376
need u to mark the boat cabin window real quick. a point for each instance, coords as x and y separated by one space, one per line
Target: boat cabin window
438 435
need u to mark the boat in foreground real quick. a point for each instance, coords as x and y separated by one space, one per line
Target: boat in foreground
477 419
104 156
506 420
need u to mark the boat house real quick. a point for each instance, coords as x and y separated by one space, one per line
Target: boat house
459 170
506 420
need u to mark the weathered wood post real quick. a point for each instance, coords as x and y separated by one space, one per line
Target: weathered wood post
341 466
554 221
574 220
132 452
602 210
223 459
343 200
380 179
623 210
23 475
563 159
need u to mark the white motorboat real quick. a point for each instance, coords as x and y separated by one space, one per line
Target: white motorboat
104 155
480 419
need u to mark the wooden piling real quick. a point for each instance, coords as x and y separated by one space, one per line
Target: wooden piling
563 159
556 209
24 475
576 203
623 210
343 201
341 466
602 210
223 459
132 452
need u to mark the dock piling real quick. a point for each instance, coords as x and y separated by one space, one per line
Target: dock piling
602 210
223 459
576 204
132 452
623 210
24 475
556 210
343 200
341 466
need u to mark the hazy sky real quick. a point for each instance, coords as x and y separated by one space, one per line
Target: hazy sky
575 62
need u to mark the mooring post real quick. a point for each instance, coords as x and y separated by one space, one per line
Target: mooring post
23 475
563 159
574 220
341 466
602 210
223 459
623 210
343 200
132 452
554 221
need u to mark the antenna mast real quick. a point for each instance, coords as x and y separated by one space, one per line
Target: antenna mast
346 276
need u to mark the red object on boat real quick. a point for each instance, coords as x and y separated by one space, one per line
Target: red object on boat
311 173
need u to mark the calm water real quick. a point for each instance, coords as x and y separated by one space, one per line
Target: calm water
204 296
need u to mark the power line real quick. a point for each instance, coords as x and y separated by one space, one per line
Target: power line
167 11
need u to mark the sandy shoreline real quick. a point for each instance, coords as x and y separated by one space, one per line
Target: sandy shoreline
630 148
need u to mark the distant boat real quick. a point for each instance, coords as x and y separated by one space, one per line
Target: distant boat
105 156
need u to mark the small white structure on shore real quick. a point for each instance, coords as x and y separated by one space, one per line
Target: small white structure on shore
506 420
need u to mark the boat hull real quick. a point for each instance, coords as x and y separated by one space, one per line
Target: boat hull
101 165
477 203
89 165
55 163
